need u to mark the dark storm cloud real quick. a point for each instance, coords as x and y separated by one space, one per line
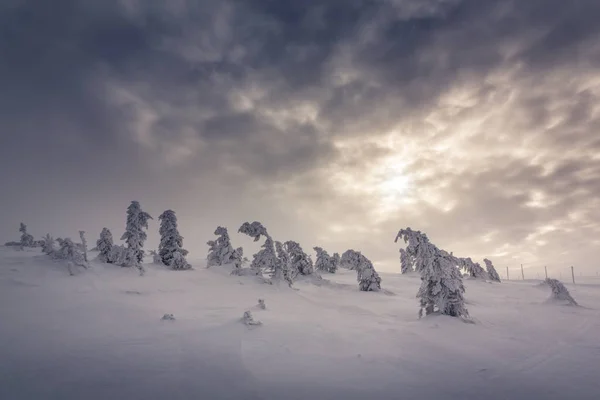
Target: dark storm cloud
265 96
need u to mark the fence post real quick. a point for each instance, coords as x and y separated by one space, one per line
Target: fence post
522 273
573 273
507 277
546 270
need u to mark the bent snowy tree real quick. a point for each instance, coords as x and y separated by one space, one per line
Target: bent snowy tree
368 278
265 259
473 269
491 271
406 262
560 292
441 284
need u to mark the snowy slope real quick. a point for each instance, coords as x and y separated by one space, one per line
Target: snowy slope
99 335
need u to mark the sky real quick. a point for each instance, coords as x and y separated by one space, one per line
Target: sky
335 123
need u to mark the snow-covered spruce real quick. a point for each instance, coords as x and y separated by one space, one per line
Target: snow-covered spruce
171 249
473 269
285 266
221 251
48 245
335 260
368 278
299 260
26 238
104 246
491 271
135 236
560 292
83 244
441 284
68 251
406 262
324 262
237 259
266 259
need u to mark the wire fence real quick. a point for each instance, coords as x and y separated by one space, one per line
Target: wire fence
568 273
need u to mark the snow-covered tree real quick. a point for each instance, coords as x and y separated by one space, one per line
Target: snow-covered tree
156 259
179 262
412 249
406 262
441 284
287 270
491 271
299 260
48 245
473 269
237 259
560 291
135 236
122 256
26 238
368 278
265 259
83 244
335 260
221 251
70 252
104 246
171 249
323 262
213 255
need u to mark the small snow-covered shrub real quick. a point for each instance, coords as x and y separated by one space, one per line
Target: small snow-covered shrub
560 292
156 259
168 317
249 320
69 252
122 256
